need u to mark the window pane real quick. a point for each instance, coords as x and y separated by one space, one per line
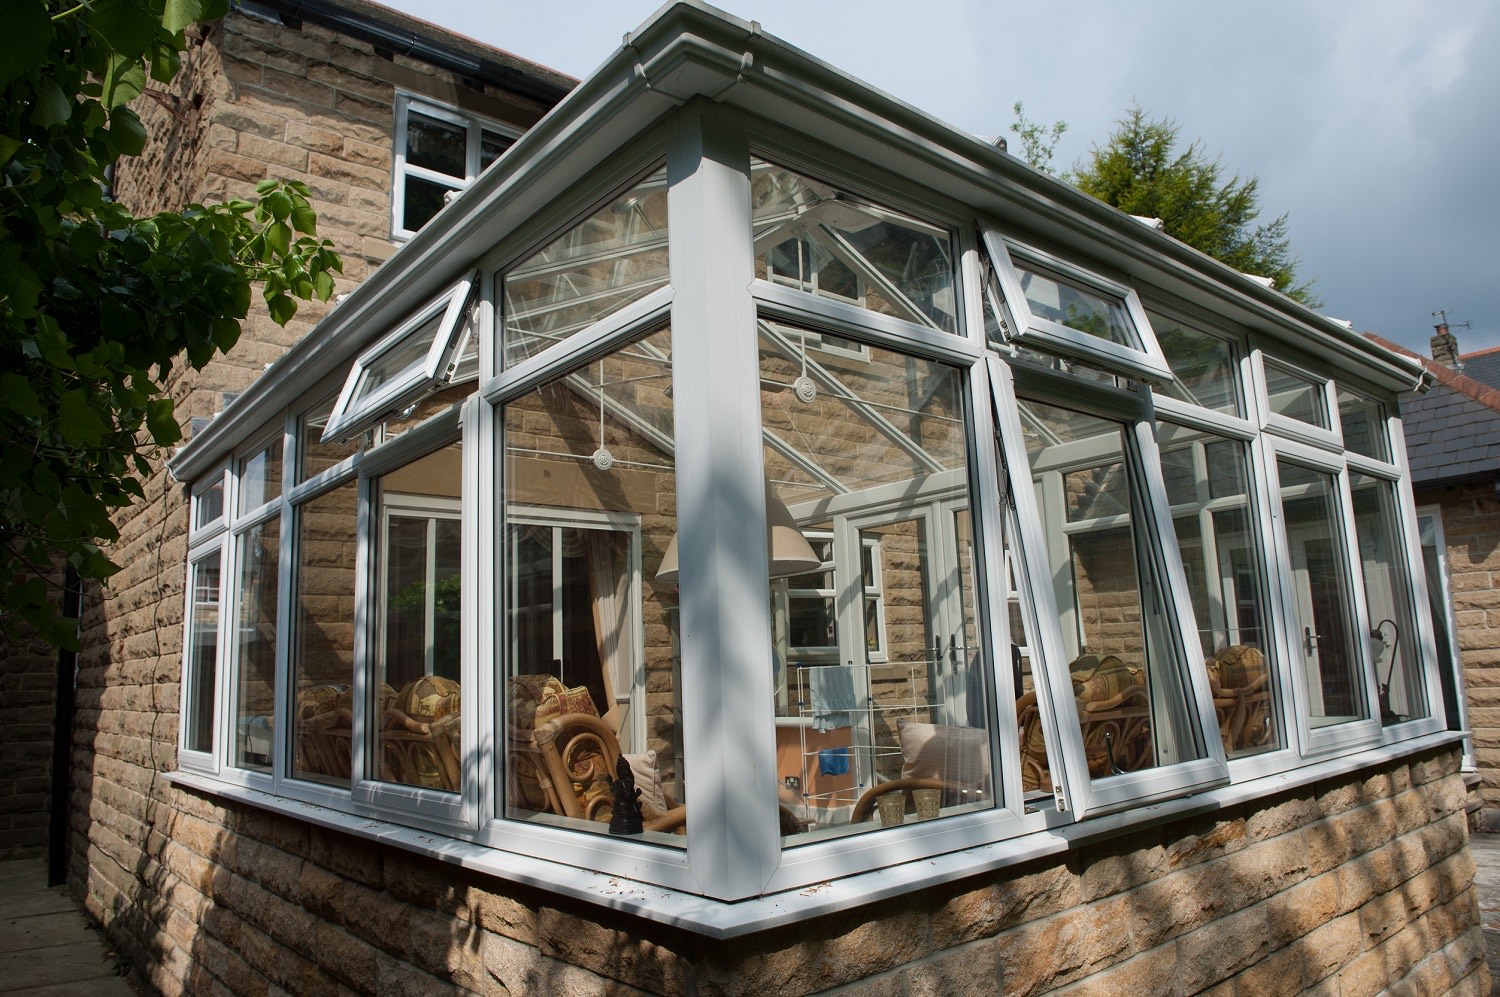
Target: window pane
323 645
402 358
260 477
491 147
255 694
590 635
1322 628
1056 298
881 690
203 654
811 235
1221 559
418 740
1131 698
1295 396
1203 365
1363 422
313 455
424 199
613 257
208 504
436 145
1388 597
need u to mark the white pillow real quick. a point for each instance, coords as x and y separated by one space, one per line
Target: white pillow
959 756
648 780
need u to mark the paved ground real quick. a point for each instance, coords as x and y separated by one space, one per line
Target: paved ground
1486 848
47 947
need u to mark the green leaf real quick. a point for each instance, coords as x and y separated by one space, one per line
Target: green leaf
26 40
8 148
16 390
264 187
282 308
52 105
181 13
128 27
323 285
279 237
124 80
128 132
78 423
305 220
279 205
161 423
165 64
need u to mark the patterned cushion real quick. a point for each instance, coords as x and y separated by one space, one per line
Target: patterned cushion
1238 666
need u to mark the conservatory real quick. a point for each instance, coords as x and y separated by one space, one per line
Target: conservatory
888 510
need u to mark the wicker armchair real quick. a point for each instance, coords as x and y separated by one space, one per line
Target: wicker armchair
578 753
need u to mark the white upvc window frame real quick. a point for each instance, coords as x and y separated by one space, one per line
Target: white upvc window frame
873 592
1328 437
1140 360
356 411
1076 790
1356 731
474 126
209 541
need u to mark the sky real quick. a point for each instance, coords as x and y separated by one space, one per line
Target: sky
1373 124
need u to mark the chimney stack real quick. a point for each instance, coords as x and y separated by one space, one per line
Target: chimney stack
1445 346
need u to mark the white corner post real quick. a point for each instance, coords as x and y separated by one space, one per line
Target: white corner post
725 621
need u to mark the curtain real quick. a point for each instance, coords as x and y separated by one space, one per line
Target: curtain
609 589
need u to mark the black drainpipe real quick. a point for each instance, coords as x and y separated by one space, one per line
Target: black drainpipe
62 741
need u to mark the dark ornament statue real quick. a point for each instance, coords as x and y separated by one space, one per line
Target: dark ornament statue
625 816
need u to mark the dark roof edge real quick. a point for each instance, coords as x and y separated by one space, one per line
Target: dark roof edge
1447 376
409 36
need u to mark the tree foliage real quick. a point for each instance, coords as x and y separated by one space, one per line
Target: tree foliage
1140 170
1038 141
96 305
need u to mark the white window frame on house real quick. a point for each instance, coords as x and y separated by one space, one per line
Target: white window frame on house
475 128
733 859
1077 790
357 410
1141 358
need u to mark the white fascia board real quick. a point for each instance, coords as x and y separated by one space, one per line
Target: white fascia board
688 50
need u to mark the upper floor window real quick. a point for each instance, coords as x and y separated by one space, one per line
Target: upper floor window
439 151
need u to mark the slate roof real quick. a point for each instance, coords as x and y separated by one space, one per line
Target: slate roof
1453 430
1483 366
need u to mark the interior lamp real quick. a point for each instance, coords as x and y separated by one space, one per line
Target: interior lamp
790 552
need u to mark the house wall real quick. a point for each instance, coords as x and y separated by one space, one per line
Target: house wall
28 681
1471 527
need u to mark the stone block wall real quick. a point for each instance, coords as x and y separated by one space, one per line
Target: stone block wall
28 681
1346 887
1471 528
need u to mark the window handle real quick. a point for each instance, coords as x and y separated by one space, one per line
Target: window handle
1310 639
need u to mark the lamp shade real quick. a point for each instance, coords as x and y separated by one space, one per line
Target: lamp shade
790 552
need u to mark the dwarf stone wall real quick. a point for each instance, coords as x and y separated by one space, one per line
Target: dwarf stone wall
1345 887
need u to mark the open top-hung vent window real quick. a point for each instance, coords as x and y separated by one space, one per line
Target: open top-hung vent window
436 347
1055 307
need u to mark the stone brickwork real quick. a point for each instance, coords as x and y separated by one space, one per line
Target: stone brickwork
1471 528
1346 887
28 681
